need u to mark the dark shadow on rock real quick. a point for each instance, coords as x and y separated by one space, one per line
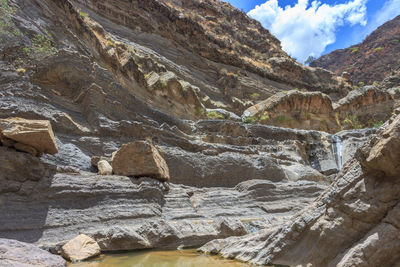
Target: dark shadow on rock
23 205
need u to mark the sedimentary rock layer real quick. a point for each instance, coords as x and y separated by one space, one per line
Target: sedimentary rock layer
355 222
123 213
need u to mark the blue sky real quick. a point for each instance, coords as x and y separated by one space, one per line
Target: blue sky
308 27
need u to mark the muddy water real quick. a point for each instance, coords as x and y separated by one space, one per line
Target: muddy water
177 258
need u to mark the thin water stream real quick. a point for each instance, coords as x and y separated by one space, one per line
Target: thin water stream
176 258
337 150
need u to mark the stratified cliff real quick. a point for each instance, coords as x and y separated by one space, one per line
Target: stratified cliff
370 61
182 76
355 222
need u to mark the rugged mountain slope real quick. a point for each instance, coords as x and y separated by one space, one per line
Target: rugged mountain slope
372 60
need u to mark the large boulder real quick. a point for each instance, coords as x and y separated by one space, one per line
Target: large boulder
14 253
80 248
140 159
28 135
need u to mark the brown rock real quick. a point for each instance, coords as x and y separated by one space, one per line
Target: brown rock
35 133
80 248
140 158
95 160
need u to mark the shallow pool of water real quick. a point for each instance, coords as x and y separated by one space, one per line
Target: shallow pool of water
177 258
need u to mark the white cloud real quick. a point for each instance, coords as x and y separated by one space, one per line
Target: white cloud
390 9
306 29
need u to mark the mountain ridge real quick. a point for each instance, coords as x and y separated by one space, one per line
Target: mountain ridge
369 61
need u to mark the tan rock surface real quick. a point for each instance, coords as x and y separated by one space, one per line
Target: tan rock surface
294 109
138 159
35 133
104 167
80 248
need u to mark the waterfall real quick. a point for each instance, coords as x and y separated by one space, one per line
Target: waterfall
337 150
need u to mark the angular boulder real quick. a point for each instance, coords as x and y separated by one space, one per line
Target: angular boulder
16 253
80 248
139 159
28 135
104 167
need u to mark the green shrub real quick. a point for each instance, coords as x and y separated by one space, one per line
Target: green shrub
265 116
352 121
82 14
354 49
281 118
255 95
41 46
7 25
215 115
111 43
378 124
199 111
308 115
375 83
361 83
21 71
380 48
395 41
250 119
164 83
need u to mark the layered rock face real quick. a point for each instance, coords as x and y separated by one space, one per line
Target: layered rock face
372 60
355 222
123 213
368 106
111 74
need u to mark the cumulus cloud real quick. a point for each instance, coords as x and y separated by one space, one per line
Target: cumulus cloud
307 28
